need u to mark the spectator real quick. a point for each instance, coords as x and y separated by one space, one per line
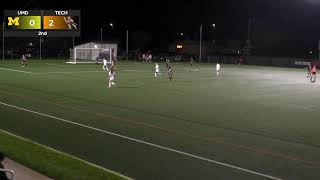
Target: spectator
149 57
143 57
3 175
241 61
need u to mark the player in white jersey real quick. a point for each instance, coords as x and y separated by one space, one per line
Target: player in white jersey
157 70
218 68
112 73
105 65
24 61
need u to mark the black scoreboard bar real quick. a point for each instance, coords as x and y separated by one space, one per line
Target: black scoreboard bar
49 23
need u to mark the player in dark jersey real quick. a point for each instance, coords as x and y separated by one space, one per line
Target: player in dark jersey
24 61
313 73
169 70
191 61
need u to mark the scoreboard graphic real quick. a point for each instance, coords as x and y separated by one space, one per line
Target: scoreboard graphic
23 22
50 23
60 22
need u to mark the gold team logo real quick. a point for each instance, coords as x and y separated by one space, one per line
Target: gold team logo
12 21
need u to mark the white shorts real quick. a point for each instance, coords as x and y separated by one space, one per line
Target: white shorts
105 68
157 70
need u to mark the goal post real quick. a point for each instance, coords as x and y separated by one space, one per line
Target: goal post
89 55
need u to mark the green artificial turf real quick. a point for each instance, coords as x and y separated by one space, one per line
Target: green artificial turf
49 162
257 118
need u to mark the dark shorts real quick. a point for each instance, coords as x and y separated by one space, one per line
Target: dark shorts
314 73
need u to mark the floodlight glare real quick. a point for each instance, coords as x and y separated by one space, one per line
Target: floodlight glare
179 46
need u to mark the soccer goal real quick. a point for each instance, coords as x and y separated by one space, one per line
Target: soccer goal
89 55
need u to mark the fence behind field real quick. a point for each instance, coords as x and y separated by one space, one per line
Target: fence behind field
264 61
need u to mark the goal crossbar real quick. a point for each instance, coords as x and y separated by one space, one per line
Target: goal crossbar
89 55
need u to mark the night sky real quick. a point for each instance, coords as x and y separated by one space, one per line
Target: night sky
281 27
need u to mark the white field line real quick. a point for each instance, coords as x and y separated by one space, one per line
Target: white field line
77 72
146 143
61 72
66 72
53 72
14 70
71 156
128 70
51 64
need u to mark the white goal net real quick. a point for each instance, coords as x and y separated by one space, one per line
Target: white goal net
89 55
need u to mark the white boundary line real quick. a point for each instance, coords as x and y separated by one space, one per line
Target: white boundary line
67 72
128 70
52 64
14 70
53 72
146 143
59 152
76 72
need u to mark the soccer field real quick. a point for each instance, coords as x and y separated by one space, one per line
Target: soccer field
248 123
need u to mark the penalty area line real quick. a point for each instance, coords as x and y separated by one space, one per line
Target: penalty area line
145 142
